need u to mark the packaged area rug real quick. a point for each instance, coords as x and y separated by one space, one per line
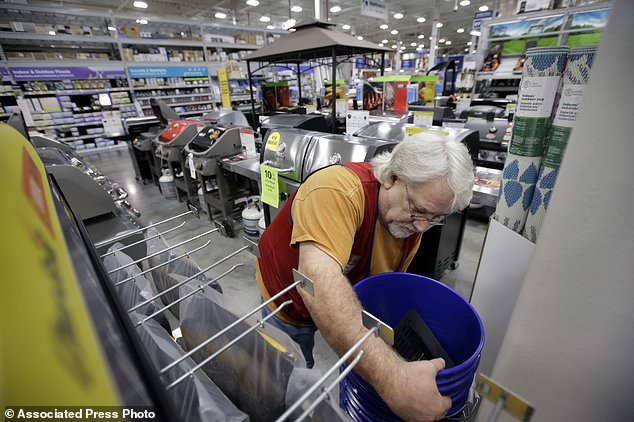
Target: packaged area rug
575 79
540 80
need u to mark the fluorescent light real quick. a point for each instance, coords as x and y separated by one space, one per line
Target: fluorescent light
439 25
289 24
51 32
442 40
384 26
380 44
253 3
398 15
403 48
431 38
346 27
466 49
292 29
464 3
421 45
419 48
469 43
475 33
460 30
335 9
421 19
447 42
483 8
384 41
394 31
360 37
400 42
402 70
413 44
220 15
141 21
296 9
265 19
394 46
421 36
112 28
140 4
270 26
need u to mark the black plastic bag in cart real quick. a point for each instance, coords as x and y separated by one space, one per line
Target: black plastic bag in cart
196 398
134 291
254 372
163 276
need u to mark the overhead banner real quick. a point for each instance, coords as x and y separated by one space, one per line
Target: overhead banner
167 71
65 73
374 9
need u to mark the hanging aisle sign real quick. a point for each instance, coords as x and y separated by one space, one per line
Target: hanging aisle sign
167 71
60 73
224 88
374 8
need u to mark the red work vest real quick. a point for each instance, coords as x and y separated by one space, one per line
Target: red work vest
278 259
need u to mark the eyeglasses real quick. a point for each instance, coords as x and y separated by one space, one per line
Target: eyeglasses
436 220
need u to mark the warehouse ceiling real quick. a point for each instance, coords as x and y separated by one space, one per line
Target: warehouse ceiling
449 12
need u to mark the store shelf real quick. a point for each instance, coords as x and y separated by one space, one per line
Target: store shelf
173 96
183 104
79 138
190 113
60 37
67 126
142 88
78 92
101 149
499 75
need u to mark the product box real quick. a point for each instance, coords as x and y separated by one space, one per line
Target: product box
131 31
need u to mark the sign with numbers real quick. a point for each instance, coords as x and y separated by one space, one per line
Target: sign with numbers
270 185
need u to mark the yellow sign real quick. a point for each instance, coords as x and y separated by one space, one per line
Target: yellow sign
224 88
51 356
270 185
273 141
412 130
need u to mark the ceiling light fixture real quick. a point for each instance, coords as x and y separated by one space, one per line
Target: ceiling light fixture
265 19
335 9
439 25
394 46
447 42
360 37
442 40
289 24
112 28
421 45
466 49
292 29
51 32
346 27
483 8
140 4
384 41
220 15
394 31
141 21
253 3
384 26
421 19
469 43
413 44
464 3
270 26
403 48
380 44
421 36
297 9
398 15
460 30
475 33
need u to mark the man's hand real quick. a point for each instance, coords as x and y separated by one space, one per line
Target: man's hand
412 393
409 388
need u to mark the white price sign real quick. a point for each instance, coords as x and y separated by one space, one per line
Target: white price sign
247 139
356 119
423 118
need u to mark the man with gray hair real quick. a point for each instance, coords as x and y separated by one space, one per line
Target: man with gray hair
347 222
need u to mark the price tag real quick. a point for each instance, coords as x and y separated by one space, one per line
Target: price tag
270 185
310 109
341 107
192 167
247 139
411 130
356 119
423 118
272 141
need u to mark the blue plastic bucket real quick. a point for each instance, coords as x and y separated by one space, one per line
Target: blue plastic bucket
453 321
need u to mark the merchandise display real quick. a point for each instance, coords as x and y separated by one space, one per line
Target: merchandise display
318 211
540 82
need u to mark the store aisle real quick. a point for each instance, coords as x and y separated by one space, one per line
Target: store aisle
240 289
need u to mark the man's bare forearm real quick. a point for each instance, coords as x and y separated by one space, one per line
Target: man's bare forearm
336 311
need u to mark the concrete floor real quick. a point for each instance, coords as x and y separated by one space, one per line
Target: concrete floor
240 288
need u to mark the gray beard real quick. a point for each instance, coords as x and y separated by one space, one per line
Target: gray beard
400 231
